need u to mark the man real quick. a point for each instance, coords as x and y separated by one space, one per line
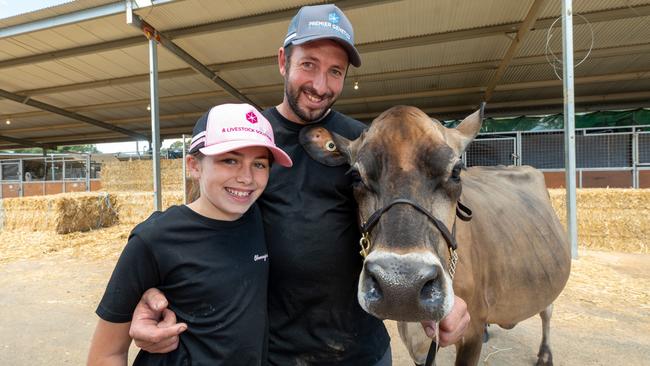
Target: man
310 221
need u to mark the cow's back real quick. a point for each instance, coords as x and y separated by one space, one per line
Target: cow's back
515 244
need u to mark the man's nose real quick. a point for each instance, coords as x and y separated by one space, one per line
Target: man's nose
320 83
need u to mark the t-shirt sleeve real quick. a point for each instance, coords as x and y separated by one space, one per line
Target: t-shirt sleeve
135 272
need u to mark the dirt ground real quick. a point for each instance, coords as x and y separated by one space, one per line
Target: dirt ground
48 292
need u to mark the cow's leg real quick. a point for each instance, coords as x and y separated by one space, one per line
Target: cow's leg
544 356
468 350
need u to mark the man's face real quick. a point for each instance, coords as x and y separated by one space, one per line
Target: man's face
314 78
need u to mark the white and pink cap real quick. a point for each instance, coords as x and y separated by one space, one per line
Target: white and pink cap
229 127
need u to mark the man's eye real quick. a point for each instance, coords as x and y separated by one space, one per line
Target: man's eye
337 73
260 165
229 161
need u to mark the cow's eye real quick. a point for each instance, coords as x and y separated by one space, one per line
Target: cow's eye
455 172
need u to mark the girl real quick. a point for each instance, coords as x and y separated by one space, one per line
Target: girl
208 257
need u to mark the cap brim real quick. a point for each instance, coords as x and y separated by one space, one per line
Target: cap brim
353 54
279 156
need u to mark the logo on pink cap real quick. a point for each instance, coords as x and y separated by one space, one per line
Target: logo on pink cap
251 117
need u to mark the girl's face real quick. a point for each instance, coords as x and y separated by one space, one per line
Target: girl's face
231 182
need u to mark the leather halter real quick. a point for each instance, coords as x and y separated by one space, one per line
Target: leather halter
462 212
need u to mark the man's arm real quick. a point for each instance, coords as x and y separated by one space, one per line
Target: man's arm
110 344
154 327
452 327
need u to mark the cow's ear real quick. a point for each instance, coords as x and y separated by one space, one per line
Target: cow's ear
460 137
324 146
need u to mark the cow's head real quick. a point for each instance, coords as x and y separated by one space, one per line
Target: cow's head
403 155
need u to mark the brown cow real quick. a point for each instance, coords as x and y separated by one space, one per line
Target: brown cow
513 261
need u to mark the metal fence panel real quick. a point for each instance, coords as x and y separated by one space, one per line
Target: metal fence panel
491 151
644 148
604 151
543 150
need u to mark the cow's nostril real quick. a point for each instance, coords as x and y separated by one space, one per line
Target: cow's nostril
373 292
431 289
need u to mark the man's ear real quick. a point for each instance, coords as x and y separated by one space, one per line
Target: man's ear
282 61
324 146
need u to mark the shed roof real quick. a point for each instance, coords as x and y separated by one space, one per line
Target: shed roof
442 56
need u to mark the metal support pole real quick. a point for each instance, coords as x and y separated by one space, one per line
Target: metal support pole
580 178
569 124
155 123
20 182
635 157
63 173
88 173
2 185
44 172
52 159
519 149
184 171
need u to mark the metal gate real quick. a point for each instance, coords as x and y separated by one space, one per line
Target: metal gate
491 151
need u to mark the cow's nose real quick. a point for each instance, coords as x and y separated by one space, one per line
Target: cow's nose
388 275
393 283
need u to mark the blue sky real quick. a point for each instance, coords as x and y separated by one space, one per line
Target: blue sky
10 8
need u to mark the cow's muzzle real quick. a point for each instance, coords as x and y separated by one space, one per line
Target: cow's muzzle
405 287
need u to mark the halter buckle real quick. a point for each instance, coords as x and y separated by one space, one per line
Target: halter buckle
364 242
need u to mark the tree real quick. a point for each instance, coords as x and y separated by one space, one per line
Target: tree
86 149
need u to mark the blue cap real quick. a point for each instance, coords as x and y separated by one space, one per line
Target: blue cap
323 22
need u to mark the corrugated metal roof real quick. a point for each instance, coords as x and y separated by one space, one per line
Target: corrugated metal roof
438 55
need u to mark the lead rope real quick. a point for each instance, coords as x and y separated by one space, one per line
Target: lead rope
465 214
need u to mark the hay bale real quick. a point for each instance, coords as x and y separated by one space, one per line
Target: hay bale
136 175
135 207
61 213
609 218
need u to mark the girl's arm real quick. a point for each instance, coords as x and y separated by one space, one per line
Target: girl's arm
110 344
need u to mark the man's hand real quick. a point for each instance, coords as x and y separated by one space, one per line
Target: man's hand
148 330
452 327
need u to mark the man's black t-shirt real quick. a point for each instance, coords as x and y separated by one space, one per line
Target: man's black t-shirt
214 275
310 221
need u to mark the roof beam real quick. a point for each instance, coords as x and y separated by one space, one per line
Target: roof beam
272 61
397 75
608 98
104 136
526 26
60 111
219 26
513 106
21 142
151 32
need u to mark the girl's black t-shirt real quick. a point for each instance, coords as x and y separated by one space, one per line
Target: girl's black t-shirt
214 275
